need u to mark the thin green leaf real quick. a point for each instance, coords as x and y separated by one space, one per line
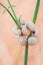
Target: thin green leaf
12 10
7 8
10 14
36 11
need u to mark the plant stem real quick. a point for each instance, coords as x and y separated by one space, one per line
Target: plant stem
8 8
10 14
34 20
12 10
36 11
26 55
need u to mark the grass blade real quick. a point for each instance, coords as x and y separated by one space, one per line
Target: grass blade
10 14
12 10
36 11
8 8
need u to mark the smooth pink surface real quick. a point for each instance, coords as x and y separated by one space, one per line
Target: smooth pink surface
11 53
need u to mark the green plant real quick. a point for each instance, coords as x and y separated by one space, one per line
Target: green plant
16 20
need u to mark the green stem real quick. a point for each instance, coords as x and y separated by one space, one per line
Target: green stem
12 10
26 55
10 14
8 8
36 11
34 20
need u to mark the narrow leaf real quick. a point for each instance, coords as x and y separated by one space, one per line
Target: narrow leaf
10 14
12 10
7 8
